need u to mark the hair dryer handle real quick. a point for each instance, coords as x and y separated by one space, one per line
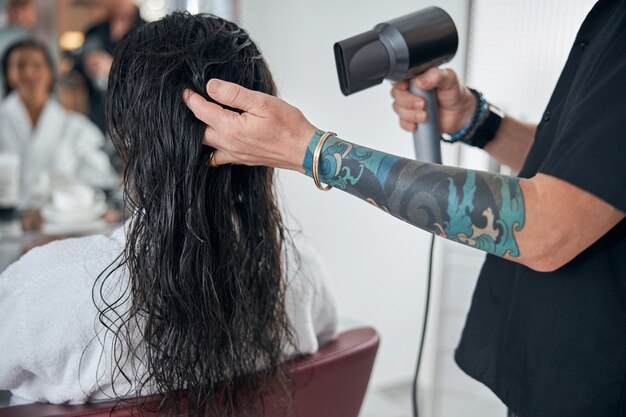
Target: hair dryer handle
427 136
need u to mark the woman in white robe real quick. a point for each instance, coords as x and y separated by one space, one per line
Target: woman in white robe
49 140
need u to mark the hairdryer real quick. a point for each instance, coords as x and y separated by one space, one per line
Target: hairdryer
397 50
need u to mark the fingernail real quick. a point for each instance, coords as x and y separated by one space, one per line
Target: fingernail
214 86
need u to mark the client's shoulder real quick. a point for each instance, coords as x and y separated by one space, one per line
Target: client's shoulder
309 301
301 259
49 290
303 265
63 261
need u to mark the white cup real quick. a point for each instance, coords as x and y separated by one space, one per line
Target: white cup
9 180
75 197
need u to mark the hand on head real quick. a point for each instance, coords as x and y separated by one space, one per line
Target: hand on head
269 132
273 133
456 102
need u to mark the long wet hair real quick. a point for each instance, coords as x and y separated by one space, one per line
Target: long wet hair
204 245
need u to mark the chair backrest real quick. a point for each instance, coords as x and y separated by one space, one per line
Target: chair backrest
329 383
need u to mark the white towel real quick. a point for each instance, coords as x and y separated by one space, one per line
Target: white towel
48 318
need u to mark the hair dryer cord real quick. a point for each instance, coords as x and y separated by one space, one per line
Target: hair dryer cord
424 324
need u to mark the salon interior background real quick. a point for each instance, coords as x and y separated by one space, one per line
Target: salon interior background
511 50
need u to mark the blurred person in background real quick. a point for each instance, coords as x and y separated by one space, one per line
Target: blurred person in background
21 21
93 62
49 140
96 56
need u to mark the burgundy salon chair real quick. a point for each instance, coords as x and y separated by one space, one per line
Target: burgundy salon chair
330 383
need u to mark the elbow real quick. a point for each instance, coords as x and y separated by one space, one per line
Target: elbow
545 264
550 256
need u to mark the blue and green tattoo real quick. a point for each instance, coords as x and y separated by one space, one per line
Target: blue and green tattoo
479 209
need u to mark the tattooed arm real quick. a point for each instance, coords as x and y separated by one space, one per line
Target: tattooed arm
478 209
505 216
542 222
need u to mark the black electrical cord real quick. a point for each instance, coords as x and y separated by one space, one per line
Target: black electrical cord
421 347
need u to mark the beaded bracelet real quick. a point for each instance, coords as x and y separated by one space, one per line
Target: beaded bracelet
465 133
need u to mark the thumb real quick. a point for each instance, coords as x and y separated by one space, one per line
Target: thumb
238 97
435 78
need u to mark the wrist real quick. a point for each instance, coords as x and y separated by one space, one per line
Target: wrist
466 132
298 154
468 106
306 166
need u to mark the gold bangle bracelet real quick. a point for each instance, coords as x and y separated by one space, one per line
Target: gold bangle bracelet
211 159
316 161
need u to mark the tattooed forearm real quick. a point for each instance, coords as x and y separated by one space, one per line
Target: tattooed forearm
479 209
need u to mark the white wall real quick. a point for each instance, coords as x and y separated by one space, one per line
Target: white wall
377 264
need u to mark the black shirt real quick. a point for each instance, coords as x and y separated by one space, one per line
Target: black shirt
554 344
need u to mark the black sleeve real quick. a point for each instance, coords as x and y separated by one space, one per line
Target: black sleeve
589 149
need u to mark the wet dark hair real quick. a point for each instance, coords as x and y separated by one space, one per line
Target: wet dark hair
204 247
30 43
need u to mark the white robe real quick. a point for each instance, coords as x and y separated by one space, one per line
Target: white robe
62 143
49 346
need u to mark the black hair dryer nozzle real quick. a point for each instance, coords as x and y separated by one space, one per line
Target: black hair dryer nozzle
397 50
